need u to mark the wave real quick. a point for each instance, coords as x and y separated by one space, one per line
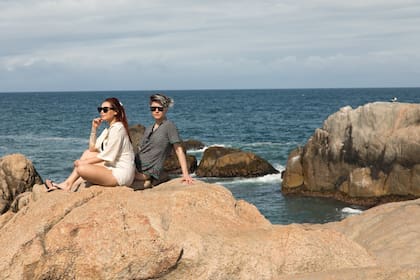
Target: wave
349 211
34 137
241 146
199 151
262 180
196 151
258 144
352 211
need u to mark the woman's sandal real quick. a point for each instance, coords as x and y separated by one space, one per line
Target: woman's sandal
50 186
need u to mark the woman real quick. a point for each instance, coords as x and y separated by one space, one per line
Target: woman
157 143
109 161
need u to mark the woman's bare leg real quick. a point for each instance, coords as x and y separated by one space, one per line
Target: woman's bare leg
97 174
66 184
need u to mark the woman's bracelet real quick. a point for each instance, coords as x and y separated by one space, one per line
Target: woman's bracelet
92 136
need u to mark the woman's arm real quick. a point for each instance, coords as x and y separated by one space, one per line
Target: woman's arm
92 139
183 163
92 160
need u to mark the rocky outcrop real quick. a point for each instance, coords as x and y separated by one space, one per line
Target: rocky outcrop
136 134
192 144
367 155
17 175
229 162
172 166
199 231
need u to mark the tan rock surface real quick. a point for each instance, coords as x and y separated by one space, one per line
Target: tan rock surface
177 231
17 175
391 232
172 231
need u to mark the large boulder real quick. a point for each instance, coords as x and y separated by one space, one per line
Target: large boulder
199 231
17 176
367 155
230 162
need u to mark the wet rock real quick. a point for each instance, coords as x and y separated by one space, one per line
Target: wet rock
229 162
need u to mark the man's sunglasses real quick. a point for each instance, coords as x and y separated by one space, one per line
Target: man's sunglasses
153 108
104 109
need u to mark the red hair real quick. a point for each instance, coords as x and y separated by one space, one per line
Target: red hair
121 115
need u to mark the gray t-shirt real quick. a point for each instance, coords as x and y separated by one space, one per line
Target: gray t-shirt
155 147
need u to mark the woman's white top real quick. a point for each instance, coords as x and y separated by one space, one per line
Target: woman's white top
116 150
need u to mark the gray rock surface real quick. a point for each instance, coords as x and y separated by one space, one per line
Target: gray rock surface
366 155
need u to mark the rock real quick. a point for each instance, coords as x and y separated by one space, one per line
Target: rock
138 235
172 166
294 176
193 145
136 134
366 156
229 162
387 231
17 175
199 231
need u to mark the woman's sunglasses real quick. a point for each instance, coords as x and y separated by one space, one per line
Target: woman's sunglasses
104 109
153 108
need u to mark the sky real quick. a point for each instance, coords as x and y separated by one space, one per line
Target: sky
67 45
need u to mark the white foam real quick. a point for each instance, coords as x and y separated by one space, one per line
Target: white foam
263 180
216 145
199 151
196 151
349 210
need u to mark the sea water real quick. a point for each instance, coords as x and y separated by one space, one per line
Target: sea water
52 129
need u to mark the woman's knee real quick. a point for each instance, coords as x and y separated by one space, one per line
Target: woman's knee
85 170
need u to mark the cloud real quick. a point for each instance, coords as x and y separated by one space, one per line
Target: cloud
127 44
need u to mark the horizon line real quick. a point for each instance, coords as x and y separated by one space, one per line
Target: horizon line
204 89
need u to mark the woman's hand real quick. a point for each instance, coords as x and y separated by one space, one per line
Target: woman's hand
96 123
79 162
187 179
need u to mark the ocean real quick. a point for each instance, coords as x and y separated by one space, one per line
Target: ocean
52 130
